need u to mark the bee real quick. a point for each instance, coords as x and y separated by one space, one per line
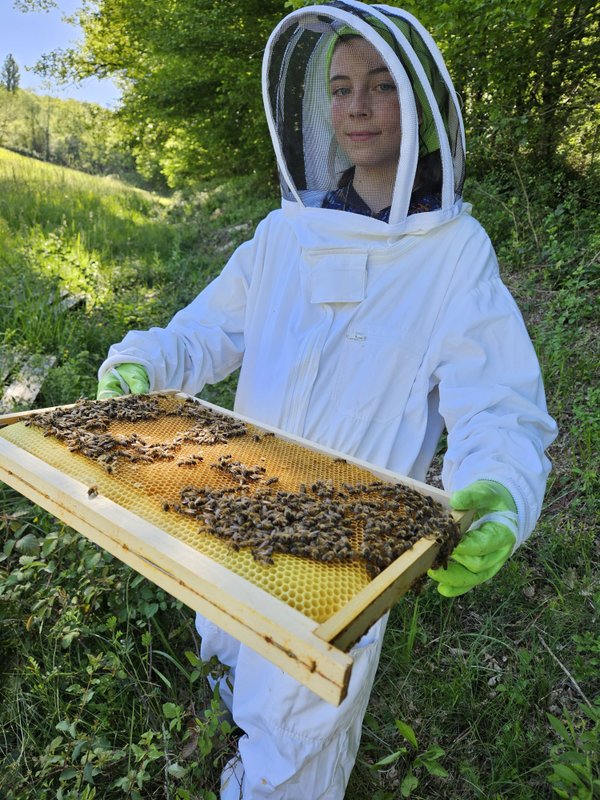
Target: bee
190 461
93 491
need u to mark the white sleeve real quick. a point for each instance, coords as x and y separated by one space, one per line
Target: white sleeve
491 393
204 342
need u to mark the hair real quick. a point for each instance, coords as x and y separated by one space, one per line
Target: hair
428 174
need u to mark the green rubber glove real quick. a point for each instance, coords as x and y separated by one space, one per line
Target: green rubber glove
488 542
124 379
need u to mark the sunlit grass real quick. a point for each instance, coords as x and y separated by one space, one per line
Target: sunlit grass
65 235
103 214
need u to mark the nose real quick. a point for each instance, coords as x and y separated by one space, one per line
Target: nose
359 105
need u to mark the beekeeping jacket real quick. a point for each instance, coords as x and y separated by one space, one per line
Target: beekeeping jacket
362 335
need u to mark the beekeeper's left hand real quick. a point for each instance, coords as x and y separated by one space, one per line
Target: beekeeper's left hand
486 545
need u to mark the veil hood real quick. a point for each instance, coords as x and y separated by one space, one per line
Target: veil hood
297 100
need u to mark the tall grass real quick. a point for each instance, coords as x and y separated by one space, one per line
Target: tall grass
491 696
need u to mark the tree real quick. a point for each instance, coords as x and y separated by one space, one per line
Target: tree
190 77
527 71
9 75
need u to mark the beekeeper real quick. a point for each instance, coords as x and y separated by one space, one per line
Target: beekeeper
366 314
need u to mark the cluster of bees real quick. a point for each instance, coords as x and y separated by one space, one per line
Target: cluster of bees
84 429
393 518
321 522
210 428
241 474
89 415
372 523
271 522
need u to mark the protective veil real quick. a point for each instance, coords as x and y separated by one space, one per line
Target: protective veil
298 103
364 335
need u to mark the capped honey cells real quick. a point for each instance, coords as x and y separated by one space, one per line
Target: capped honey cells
307 527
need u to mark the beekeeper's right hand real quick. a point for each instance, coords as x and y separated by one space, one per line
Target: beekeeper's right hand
124 379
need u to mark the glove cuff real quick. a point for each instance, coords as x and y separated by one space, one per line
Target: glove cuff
505 494
122 382
508 519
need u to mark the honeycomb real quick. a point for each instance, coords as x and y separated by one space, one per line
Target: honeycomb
169 454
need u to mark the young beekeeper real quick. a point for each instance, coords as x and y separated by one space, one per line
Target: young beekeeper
366 314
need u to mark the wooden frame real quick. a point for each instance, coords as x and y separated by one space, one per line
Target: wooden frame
315 654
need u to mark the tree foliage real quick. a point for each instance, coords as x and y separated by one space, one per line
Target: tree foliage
84 136
190 74
9 75
527 71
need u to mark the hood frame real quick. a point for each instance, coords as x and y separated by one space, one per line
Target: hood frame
311 17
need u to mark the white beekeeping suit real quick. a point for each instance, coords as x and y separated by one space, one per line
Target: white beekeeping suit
364 334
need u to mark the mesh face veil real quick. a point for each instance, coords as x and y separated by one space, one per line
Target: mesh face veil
298 103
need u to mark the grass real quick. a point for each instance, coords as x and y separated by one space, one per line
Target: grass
491 696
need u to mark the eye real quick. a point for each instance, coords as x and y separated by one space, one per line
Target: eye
386 86
340 91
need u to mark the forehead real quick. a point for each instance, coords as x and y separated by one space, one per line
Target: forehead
355 55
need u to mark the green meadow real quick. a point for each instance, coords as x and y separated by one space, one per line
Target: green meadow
491 696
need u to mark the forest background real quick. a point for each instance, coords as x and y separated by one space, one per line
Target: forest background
189 70
495 695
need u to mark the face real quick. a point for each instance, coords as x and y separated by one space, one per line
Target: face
365 109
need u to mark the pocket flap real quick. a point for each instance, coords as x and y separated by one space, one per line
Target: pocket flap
338 278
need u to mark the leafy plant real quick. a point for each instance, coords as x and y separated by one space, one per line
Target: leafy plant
417 762
575 759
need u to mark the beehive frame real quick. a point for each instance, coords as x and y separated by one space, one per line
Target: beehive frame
315 653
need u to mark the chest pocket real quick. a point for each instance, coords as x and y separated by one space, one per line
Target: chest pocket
374 375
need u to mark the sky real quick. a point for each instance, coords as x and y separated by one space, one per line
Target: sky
28 35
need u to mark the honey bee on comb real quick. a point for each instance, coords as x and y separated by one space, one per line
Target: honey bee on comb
211 426
190 461
241 473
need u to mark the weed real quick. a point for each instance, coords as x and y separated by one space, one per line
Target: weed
427 761
574 759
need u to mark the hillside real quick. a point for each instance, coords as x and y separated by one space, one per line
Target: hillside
70 133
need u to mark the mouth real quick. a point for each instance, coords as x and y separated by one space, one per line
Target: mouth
362 136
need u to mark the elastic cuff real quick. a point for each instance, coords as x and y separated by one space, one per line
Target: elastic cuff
523 514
